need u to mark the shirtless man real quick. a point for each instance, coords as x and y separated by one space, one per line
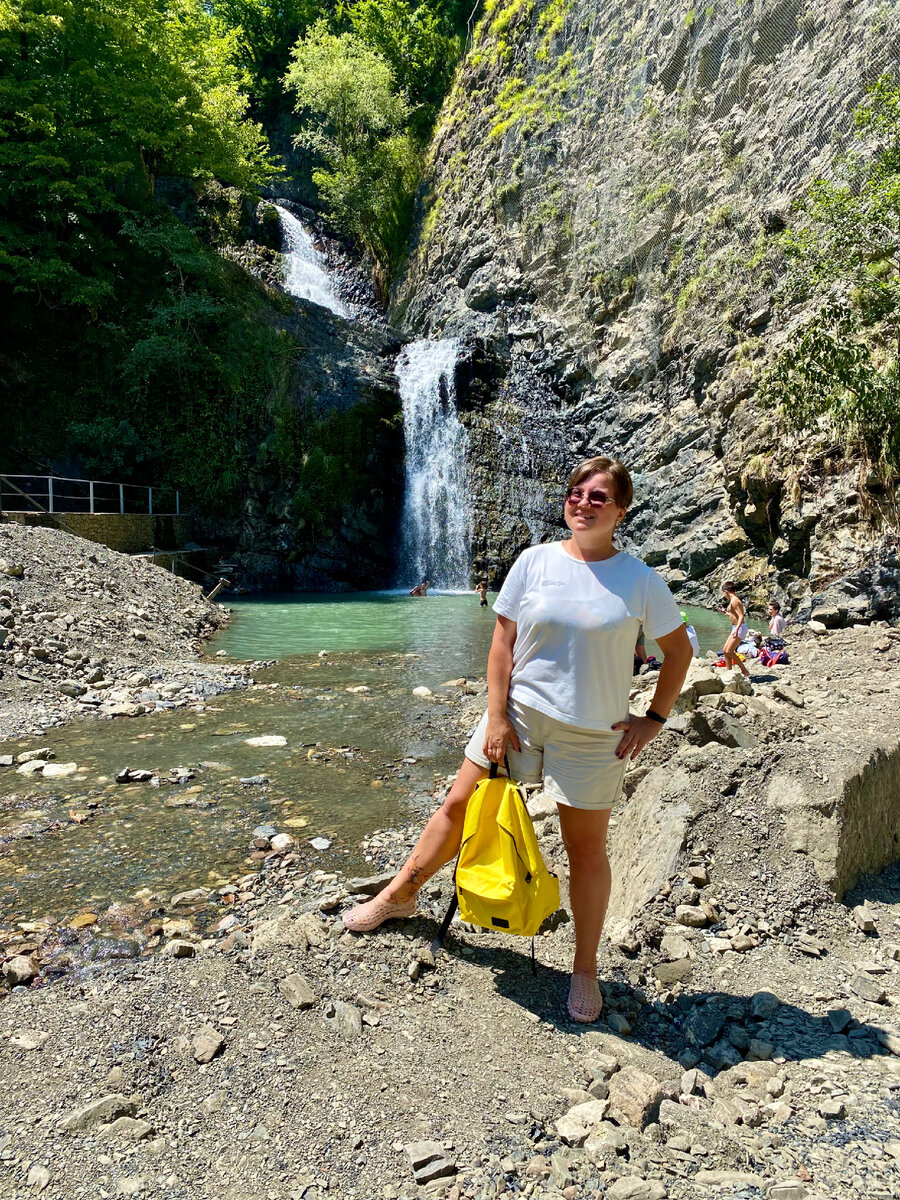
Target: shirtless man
736 615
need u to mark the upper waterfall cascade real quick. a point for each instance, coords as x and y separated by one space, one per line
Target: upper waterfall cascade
306 273
437 524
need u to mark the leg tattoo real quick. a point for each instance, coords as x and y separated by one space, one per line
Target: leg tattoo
416 874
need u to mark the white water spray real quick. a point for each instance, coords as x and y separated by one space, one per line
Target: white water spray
306 274
437 525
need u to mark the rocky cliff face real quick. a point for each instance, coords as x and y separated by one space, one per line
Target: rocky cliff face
606 186
323 498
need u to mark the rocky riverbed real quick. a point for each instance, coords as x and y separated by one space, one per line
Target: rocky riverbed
87 631
749 1042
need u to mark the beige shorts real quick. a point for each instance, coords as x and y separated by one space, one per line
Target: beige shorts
579 767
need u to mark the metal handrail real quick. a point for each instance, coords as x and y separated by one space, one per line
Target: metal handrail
57 498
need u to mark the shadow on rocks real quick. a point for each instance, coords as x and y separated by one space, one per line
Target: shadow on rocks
710 1030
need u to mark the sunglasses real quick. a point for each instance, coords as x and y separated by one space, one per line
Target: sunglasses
595 498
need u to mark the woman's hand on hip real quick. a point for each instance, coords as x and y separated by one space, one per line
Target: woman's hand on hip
497 735
638 731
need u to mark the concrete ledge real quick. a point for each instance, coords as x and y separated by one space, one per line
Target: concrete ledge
130 533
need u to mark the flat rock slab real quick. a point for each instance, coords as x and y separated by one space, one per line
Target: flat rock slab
130 1129
38 1178
428 1161
98 1112
729 1179
578 1122
632 1187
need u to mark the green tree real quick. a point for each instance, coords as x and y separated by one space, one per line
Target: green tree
100 97
420 45
356 125
125 339
267 32
840 371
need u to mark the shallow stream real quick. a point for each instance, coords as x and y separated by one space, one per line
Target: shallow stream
360 752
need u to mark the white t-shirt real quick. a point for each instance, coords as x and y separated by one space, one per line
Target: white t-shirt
577 624
776 625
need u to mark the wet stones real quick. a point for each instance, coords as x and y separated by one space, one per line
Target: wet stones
134 775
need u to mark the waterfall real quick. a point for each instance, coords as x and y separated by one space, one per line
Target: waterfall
305 272
437 527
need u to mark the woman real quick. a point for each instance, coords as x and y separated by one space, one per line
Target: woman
559 673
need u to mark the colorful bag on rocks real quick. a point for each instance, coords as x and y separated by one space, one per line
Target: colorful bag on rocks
502 882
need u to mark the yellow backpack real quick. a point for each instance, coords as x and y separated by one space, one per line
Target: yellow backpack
501 880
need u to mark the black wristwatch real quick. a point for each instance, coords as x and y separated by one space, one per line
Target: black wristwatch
654 716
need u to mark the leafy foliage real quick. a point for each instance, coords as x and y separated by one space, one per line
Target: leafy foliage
420 44
267 30
841 370
149 354
369 95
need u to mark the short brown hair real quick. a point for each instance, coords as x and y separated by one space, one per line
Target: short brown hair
729 586
617 471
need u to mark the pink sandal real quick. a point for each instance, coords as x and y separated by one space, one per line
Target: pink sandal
373 913
585 1002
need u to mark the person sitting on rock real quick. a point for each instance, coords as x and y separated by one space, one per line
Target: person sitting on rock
558 688
737 615
776 620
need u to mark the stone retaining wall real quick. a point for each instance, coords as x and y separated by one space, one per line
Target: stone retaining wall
130 533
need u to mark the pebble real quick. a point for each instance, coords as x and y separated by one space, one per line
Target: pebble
207 1043
38 1178
298 991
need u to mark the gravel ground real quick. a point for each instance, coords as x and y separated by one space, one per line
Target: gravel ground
749 1045
84 629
